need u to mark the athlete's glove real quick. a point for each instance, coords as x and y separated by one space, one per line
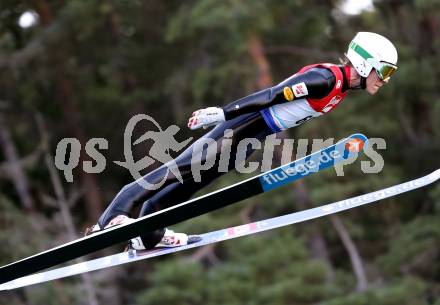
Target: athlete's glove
205 118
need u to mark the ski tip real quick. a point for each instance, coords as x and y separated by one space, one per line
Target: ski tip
359 137
435 175
353 144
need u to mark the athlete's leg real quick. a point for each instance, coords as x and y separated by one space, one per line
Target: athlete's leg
253 127
135 193
131 195
246 126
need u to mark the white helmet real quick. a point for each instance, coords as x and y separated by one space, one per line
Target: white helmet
370 50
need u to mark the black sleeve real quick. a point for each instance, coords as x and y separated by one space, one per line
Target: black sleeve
318 81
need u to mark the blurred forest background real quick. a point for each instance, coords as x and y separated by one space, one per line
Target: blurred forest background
85 67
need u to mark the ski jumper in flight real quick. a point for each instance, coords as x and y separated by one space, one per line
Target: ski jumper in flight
311 92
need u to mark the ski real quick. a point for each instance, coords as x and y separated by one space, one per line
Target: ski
324 158
225 234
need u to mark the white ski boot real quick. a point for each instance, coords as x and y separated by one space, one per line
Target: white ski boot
169 240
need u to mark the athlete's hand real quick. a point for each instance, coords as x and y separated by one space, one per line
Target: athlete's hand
205 118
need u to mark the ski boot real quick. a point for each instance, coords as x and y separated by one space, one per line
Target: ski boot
170 239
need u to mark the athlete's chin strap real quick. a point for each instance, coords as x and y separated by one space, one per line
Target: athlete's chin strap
346 74
362 85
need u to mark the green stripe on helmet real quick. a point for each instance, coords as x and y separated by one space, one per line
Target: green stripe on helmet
361 51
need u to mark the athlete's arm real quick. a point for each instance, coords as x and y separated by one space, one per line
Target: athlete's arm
315 83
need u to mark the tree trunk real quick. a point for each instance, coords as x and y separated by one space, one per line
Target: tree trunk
315 240
17 175
15 171
71 114
64 208
355 258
